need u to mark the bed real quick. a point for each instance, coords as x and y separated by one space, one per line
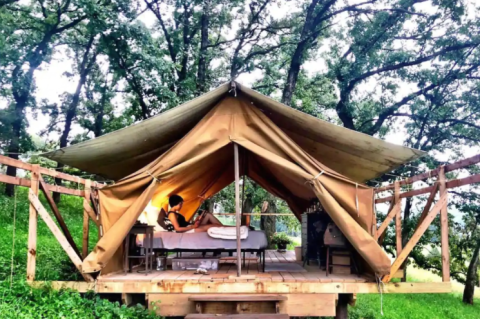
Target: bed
201 242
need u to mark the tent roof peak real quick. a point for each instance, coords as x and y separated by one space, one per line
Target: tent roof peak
115 155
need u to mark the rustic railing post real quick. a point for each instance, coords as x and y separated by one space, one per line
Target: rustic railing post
398 219
86 217
444 227
32 226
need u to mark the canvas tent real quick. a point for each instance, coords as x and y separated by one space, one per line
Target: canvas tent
189 151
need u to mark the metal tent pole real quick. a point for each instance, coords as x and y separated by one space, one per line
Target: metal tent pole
237 209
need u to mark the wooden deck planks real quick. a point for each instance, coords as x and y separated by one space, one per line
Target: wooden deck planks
227 271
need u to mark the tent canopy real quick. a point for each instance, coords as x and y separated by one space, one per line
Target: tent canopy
200 163
358 156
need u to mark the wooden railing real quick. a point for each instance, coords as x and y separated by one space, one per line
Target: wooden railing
62 234
428 215
91 211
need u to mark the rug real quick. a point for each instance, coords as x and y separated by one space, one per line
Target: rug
287 267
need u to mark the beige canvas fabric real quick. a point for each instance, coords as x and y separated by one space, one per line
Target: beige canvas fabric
201 163
358 156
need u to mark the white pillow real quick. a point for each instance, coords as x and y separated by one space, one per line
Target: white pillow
150 216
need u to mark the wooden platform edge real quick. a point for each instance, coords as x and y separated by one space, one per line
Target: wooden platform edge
249 287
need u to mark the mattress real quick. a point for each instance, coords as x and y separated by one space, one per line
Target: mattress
202 241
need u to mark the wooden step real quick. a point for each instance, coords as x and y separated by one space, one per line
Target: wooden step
238 297
241 316
341 259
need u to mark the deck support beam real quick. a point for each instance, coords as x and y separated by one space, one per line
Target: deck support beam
87 211
37 205
249 287
444 226
398 218
32 225
416 237
57 214
237 208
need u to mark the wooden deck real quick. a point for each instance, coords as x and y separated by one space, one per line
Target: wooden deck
252 271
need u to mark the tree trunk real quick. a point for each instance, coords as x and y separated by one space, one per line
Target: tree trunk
307 37
202 60
85 68
21 87
268 223
292 77
209 205
14 146
247 207
472 278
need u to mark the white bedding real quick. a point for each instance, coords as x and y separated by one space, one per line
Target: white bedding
228 232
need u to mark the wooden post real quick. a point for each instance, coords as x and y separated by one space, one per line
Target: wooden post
416 237
444 227
237 209
86 228
35 202
398 219
32 226
341 310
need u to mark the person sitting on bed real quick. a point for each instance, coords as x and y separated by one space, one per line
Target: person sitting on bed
176 222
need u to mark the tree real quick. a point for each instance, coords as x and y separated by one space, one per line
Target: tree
259 35
135 57
268 222
317 18
97 112
34 45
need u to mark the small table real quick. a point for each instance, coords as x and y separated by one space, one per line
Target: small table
147 230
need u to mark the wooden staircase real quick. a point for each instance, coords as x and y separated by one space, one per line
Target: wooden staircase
231 306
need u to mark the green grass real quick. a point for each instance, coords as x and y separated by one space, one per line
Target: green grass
53 264
418 306
21 301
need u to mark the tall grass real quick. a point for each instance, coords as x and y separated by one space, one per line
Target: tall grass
17 299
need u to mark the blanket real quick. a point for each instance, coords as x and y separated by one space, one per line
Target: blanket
228 232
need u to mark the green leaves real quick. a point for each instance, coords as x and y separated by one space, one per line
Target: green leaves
24 302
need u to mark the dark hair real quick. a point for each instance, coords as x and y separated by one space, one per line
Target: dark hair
174 200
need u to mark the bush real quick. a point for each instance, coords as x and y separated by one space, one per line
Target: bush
22 301
281 239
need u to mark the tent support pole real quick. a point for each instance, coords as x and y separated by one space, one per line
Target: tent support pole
237 208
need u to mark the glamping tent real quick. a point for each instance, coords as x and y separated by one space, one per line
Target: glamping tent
189 151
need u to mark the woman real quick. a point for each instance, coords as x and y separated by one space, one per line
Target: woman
175 222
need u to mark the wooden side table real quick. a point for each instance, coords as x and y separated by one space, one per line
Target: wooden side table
137 229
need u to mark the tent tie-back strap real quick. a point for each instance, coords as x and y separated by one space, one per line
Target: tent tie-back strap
317 176
356 199
381 289
151 175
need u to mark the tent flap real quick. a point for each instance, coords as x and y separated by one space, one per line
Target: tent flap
201 164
